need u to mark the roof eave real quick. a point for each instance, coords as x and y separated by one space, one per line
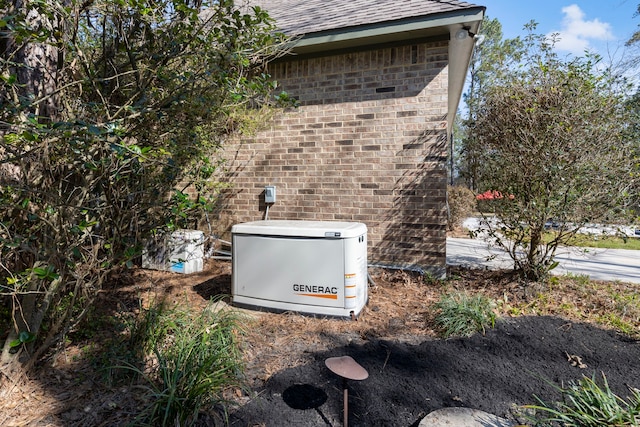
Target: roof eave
386 32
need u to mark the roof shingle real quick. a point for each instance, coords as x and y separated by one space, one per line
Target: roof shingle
298 17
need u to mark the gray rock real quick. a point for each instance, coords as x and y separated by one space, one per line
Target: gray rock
463 417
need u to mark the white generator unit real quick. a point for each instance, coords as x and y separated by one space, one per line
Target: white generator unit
313 267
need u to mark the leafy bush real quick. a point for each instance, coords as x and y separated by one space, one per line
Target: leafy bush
462 315
586 404
192 360
113 142
552 135
462 203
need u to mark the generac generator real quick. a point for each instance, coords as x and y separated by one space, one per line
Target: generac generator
314 267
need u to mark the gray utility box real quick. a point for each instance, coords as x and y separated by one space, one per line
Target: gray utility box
314 267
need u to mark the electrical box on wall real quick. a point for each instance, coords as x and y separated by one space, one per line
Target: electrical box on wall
270 194
316 267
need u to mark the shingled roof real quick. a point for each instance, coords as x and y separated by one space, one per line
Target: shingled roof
304 17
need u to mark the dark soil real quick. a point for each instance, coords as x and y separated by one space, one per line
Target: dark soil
495 373
411 371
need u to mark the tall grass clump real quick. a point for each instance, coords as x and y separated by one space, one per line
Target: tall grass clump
192 358
461 315
587 404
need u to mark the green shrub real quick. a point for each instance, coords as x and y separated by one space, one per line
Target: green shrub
191 360
586 404
462 203
462 315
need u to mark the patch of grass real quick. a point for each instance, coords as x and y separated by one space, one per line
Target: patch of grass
587 404
461 315
627 304
580 279
603 241
191 359
430 279
615 321
613 305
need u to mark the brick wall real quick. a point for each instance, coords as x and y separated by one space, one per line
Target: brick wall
368 144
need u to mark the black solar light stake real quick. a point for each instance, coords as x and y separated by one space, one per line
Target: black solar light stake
348 369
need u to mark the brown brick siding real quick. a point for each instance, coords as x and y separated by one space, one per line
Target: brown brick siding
367 144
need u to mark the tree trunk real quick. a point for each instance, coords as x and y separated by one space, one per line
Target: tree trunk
36 65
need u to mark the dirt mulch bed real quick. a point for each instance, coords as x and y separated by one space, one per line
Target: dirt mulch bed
411 371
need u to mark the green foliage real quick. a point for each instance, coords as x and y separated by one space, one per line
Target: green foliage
632 131
194 358
461 203
183 360
462 315
599 241
24 337
618 322
490 59
588 404
549 134
112 120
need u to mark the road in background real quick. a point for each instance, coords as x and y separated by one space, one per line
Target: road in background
599 264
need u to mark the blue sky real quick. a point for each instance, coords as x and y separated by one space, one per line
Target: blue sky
597 25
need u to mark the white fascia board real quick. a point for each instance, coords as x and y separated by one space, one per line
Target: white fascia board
401 30
460 52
